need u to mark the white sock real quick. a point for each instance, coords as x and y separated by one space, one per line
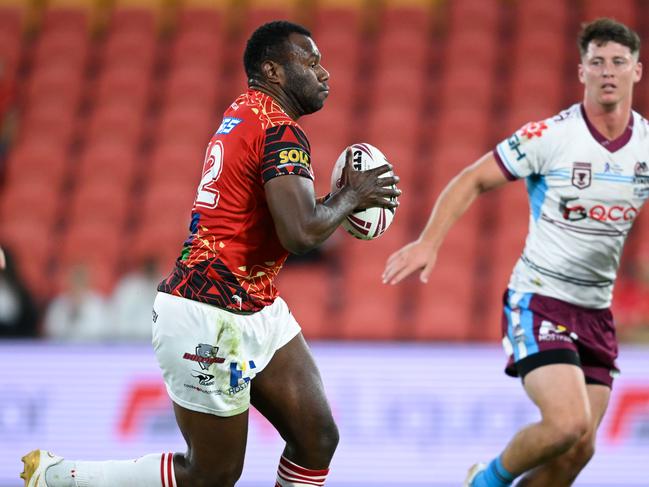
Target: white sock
155 470
290 474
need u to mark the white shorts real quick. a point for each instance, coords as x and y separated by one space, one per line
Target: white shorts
208 356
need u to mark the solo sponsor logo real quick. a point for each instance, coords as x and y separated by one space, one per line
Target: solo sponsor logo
602 213
294 156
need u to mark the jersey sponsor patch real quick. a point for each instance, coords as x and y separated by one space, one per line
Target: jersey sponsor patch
534 129
286 151
228 124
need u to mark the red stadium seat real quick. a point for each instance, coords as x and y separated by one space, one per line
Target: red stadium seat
466 86
258 15
198 48
133 19
621 10
175 163
550 15
192 85
474 16
95 244
48 120
38 163
532 82
402 49
55 81
71 20
105 160
124 83
196 19
32 200
129 49
194 124
101 202
62 48
116 120
480 47
407 18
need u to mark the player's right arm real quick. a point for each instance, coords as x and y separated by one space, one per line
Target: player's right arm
453 202
303 223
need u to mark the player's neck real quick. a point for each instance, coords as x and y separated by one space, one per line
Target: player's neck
280 97
610 121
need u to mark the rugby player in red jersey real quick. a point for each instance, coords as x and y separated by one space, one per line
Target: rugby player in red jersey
222 336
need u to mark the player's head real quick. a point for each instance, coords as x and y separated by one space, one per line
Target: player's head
282 55
609 61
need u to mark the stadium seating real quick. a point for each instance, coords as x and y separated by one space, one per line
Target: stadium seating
118 99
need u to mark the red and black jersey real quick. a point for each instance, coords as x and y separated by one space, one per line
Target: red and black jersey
233 253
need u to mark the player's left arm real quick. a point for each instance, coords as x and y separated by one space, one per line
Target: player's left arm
303 223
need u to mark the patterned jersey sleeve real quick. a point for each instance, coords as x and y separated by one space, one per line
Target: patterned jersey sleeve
521 155
286 151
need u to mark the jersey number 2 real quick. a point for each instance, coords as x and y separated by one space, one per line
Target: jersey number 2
208 195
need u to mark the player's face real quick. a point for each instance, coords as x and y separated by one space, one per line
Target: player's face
608 72
306 79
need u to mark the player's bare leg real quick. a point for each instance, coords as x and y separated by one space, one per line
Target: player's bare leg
559 391
215 448
290 394
563 470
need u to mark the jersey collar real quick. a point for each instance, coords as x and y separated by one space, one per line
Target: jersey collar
610 145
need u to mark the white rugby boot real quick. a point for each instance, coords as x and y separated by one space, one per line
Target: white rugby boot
473 472
36 463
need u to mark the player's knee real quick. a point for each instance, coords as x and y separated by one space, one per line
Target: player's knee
321 441
329 439
582 452
567 432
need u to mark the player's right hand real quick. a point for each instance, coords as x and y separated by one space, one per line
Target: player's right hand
408 259
370 190
3 261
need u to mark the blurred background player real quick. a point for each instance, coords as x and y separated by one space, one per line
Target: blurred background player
217 316
586 181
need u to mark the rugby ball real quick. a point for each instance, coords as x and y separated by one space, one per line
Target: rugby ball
372 222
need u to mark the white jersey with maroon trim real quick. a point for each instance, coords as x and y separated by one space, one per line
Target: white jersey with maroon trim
585 192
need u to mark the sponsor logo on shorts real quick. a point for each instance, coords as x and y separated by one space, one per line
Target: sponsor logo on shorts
205 356
549 332
203 379
241 373
231 391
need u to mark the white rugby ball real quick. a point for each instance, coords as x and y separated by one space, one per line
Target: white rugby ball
372 222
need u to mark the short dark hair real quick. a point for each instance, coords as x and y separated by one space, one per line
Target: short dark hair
269 42
603 30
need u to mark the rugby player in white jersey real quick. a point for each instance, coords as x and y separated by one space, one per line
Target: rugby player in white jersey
587 177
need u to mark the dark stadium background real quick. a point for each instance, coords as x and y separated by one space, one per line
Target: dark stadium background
108 105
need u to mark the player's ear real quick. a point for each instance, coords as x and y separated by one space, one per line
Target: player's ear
580 72
273 72
638 71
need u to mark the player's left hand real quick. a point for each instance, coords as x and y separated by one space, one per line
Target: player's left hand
408 259
3 261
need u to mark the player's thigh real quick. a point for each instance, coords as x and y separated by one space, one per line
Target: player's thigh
559 391
216 445
290 393
599 396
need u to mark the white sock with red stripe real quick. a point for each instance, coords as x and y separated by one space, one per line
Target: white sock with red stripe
155 470
290 474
